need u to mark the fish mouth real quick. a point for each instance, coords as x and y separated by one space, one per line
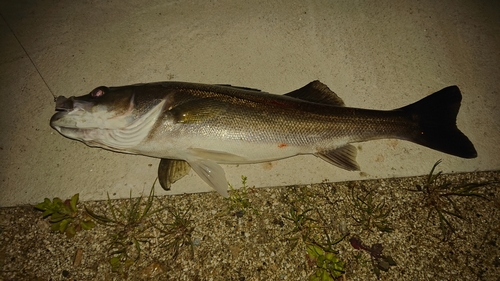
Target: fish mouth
63 107
68 130
64 104
68 106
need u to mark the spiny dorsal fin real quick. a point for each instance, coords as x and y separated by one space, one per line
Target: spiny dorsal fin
317 92
343 157
170 171
239 87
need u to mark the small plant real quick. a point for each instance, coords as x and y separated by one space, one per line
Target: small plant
379 261
238 200
130 222
310 227
64 215
302 225
329 266
440 198
176 233
371 214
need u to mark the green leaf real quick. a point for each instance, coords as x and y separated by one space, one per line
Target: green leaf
149 203
314 278
383 265
115 263
98 218
137 248
325 276
74 201
339 267
314 251
320 261
55 226
331 257
87 225
57 202
112 208
63 225
47 213
44 205
57 217
390 260
336 269
70 231
377 271
134 214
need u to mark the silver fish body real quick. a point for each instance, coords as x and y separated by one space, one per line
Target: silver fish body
204 125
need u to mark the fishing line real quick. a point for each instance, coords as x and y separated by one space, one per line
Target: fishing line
29 57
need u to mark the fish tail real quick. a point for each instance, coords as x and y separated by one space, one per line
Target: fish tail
436 117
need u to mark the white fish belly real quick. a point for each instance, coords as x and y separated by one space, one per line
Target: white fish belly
220 151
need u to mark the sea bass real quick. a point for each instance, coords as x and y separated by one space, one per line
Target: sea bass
200 126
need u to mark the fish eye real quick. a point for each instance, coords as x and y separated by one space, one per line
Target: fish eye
98 92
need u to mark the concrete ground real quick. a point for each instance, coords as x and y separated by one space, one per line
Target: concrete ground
373 54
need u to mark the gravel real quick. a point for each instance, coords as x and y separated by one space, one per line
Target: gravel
252 236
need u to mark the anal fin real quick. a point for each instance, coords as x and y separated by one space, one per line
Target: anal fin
343 157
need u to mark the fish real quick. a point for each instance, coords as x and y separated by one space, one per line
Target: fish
200 126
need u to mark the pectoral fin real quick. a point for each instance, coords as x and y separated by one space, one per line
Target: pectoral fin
211 173
170 171
343 157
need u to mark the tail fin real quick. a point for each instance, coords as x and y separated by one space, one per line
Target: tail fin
436 115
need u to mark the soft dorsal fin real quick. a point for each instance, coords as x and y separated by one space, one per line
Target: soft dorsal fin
317 92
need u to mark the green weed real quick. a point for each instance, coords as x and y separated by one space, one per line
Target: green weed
177 232
130 222
369 213
329 266
303 224
64 215
440 199
239 202
310 227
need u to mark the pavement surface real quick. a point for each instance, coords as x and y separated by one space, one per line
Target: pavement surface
373 54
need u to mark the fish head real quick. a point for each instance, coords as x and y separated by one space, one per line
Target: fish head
111 118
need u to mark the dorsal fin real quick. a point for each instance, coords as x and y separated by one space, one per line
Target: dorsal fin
239 87
317 92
